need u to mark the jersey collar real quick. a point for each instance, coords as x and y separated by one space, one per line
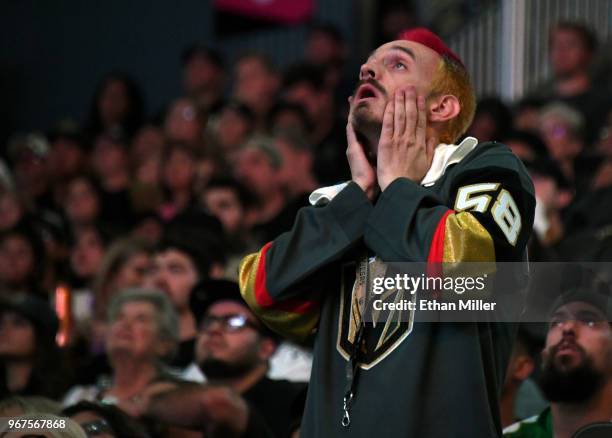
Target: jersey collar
444 156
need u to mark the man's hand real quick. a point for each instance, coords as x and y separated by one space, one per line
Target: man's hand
403 149
362 171
138 405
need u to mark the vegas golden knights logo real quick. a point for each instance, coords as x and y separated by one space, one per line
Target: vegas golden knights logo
384 331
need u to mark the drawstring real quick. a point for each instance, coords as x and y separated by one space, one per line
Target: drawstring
352 366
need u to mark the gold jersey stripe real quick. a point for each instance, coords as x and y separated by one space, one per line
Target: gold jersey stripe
466 240
292 325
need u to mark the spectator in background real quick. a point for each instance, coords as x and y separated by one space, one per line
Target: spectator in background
117 107
22 260
177 267
571 49
296 172
178 178
111 165
204 77
395 16
492 121
143 333
28 157
229 201
233 349
291 117
326 48
125 265
561 128
149 227
235 124
185 122
86 253
83 201
256 84
603 149
67 156
11 209
576 375
146 155
604 143
304 85
553 194
527 145
30 360
520 368
527 115
258 168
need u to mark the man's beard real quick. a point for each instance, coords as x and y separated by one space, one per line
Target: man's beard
574 385
367 126
215 369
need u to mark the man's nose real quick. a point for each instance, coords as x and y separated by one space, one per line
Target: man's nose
124 323
368 71
215 326
569 328
159 279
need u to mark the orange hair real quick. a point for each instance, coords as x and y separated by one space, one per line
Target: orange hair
452 78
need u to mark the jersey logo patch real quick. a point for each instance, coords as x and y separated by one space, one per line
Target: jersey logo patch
382 334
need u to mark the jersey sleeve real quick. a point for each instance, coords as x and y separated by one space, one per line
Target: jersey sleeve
282 283
487 217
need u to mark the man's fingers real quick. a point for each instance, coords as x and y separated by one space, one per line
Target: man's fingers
386 134
411 115
421 122
351 138
400 113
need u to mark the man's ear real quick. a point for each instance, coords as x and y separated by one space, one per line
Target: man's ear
267 348
524 367
443 108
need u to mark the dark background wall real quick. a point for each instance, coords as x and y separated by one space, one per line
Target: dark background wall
54 52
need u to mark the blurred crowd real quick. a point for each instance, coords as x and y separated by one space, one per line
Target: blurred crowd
120 235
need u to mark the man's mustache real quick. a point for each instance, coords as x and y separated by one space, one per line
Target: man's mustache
373 82
562 343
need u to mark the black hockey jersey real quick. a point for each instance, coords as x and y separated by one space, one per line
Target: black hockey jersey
419 379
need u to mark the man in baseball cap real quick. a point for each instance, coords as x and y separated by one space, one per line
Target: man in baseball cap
234 348
576 375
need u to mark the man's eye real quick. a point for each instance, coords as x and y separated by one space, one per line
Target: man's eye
589 322
237 321
399 66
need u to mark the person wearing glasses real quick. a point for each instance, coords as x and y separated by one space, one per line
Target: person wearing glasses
576 374
233 350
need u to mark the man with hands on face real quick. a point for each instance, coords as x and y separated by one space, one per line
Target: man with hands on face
414 197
